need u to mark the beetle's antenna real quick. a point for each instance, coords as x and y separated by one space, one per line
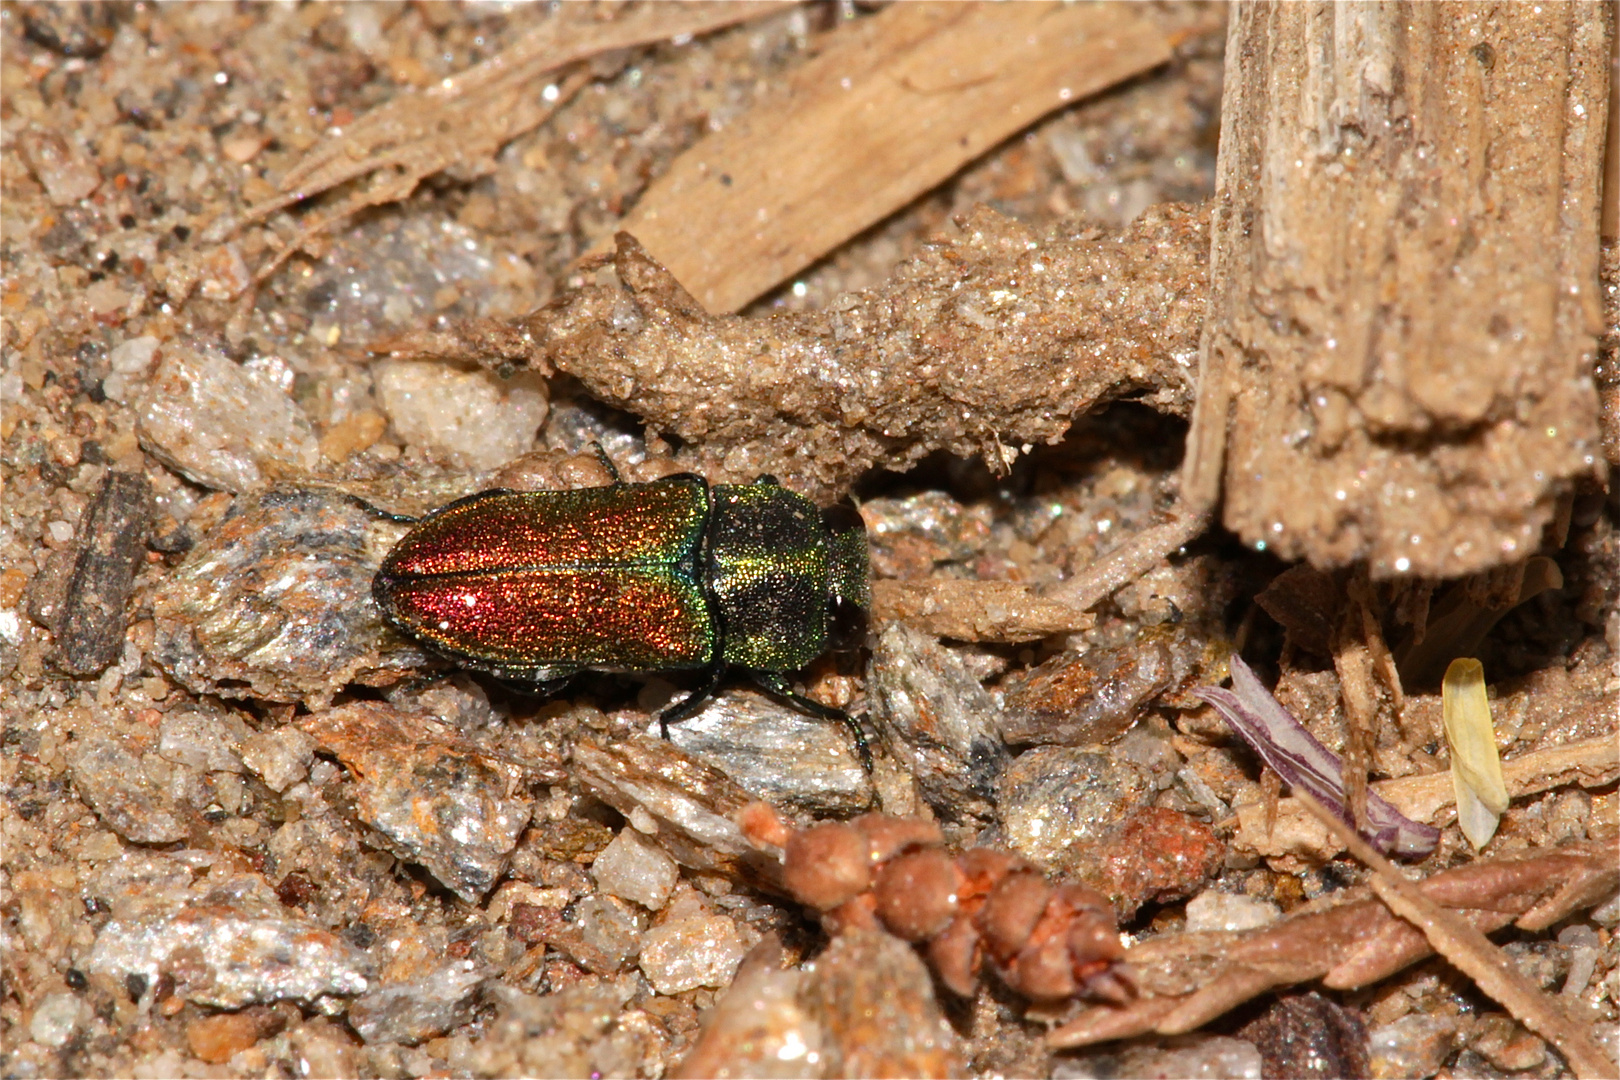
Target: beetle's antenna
386 515
607 462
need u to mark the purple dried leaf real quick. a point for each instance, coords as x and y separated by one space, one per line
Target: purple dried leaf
1293 752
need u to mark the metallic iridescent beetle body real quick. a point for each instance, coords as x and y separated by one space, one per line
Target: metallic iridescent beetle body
668 575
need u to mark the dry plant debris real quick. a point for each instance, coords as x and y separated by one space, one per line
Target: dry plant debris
1186 980
1288 829
1289 748
1462 943
893 106
462 122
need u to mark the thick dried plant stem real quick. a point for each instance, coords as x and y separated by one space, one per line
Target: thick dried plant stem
1472 953
1413 391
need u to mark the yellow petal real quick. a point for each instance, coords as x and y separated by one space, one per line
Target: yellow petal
1476 770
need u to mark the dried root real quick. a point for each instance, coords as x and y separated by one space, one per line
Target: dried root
1047 942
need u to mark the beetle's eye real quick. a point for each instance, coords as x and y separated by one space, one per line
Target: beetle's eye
848 572
846 626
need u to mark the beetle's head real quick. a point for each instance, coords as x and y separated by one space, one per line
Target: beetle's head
849 592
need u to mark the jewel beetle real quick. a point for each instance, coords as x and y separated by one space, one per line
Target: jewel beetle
671 575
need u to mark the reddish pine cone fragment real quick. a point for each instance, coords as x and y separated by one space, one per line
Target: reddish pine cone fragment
1048 942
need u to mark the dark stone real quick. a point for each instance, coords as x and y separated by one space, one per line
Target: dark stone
112 538
1308 1037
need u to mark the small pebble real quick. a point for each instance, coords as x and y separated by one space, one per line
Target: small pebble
472 418
219 425
280 758
1216 910
203 740
416 1011
1055 800
115 783
632 868
216 1039
1414 1045
687 953
56 1019
64 170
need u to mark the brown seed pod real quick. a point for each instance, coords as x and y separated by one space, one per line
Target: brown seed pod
955 955
1010 912
827 865
917 893
888 836
1046 942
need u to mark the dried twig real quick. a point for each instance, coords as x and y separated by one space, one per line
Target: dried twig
1353 940
1472 953
1131 559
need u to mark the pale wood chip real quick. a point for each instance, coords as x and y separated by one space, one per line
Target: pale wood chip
896 104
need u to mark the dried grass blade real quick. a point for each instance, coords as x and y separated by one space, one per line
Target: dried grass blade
894 105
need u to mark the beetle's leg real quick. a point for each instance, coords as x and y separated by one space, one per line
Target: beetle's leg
774 684
689 705
607 462
386 515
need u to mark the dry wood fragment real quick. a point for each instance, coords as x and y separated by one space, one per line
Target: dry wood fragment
1590 763
1133 558
1471 952
1352 940
976 610
896 104
1397 362
462 122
